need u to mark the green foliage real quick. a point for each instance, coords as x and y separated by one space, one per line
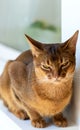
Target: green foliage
43 25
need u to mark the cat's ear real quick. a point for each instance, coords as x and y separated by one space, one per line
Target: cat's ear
71 42
36 47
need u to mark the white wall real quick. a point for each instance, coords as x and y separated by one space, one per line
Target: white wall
49 11
71 23
16 15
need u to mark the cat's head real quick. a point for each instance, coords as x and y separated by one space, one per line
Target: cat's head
54 62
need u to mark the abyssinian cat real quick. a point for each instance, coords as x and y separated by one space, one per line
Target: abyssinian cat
39 82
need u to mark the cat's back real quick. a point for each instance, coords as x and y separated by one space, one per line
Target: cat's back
25 57
14 69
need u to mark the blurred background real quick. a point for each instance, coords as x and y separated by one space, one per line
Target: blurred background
43 20
40 19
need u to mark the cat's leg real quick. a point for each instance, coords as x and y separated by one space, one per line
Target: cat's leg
36 119
14 106
17 108
7 96
59 120
17 74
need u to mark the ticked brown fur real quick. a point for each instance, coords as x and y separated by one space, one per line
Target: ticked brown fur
39 82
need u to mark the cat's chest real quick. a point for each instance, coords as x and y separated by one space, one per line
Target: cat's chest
51 98
53 91
47 107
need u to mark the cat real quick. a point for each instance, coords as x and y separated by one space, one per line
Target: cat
38 83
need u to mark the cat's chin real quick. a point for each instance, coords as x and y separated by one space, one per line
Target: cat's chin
56 80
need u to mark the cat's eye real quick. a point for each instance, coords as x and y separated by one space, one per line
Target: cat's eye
65 65
45 67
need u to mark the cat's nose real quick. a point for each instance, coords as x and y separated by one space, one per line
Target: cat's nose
55 75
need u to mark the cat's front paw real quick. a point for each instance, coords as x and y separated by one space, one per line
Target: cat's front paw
19 113
22 115
39 123
60 121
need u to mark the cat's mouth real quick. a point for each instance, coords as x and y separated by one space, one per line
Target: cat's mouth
56 80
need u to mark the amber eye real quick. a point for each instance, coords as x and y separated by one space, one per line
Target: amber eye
45 67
